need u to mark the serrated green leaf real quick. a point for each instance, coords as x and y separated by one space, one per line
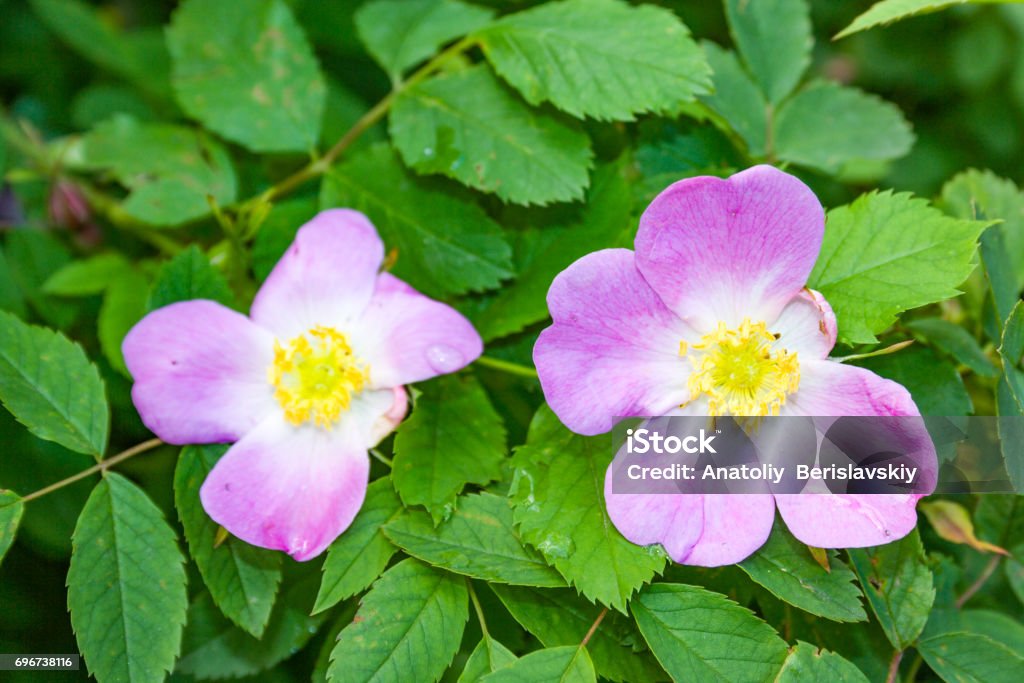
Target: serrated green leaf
569 664
245 70
808 664
357 558
124 304
489 655
605 220
889 11
560 510
454 438
477 540
999 627
774 37
970 658
444 243
933 382
11 509
1005 294
736 98
468 126
169 171
126 585
213 647
408 627
1011 348
561 617
189 275
599 58
956 341
402 33
787 569
703 636
886 253
826 125
898 585
49 385
241 578
88 277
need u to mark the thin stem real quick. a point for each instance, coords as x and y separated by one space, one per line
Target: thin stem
980 581
99 467
593 627
915 665
479 609
898 346
383 458
507 366
894 667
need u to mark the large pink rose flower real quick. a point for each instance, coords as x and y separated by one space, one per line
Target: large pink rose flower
711 316
304 386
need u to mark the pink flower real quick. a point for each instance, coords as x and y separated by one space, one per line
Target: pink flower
304 386
710 316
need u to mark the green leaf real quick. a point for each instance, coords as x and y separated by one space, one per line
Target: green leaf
826 125
999 519
477 540
970 658
954 340
774 37
408 627
999 272
977 194
886 253
560 510
402 33
189 275
703 636
599 58
454 438
245 70
444 243
999 627
124 304
934 384
898 585
213 647
88 277
736 98
787 569
568 664
889 11
126 585
489 655
605 219
357 558
50 386
561 617
11 509
241 578
808 664
468 126
169 171
1011 349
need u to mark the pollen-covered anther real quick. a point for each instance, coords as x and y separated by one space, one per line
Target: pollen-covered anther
315 376
741 371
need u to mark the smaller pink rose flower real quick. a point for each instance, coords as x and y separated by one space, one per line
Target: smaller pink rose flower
711 316
304 386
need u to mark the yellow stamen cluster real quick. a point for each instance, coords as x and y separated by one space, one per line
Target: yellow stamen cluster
740 372
315 376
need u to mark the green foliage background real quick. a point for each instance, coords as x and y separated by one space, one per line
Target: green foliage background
155 152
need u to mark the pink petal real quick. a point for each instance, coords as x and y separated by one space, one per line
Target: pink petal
296 489
723 250
326 277
407 337
613 349
806 326
828 388
735 526
200 372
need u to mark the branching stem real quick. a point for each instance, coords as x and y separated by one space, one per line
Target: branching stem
102 466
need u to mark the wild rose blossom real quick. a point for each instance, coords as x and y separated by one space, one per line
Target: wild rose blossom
304 386
711 316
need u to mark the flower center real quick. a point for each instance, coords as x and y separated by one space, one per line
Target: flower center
315 376
740 372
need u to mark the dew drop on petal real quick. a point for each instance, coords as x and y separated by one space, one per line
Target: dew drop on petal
444 358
